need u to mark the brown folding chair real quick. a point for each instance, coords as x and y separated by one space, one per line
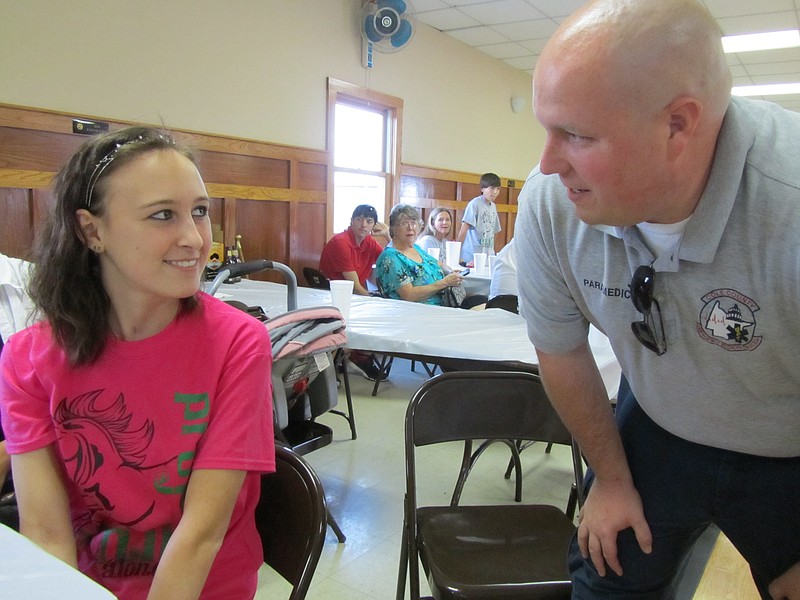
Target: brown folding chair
291 519
514 551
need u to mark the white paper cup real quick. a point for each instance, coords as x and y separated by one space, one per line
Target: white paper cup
341 294
434 252
480 262
491 259
453 250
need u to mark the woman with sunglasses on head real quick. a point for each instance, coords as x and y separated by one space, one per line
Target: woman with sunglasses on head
138 411
405 271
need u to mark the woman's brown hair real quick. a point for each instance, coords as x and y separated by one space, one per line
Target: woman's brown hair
65 283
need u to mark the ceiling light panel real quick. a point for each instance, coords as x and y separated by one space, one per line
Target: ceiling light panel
751 42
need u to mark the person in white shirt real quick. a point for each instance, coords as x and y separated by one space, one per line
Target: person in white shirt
16 306
504 273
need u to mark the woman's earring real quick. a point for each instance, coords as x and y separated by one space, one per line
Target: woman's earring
97 249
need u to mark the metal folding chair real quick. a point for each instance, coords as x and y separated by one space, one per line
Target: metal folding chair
514 551
291 519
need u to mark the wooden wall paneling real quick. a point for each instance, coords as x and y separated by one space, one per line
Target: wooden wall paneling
229 222
25 179
311 176
291 226
59 122
275 196
419 187
423 205
264 227
294 178
45 120
307 221
215 211
291 247
309 238
237 169
36 150
502 197
463 199
501 239
512 224
470 191
43 201
443 189
249 192
502 202
16 211
513 201
413 187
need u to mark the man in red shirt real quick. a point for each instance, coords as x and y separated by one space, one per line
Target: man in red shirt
352 255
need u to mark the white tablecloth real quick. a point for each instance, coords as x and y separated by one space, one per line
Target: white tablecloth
27 571
475 284
396 326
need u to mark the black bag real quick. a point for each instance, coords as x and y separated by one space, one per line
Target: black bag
454 296
9 514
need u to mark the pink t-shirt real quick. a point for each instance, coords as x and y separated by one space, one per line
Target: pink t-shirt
130 428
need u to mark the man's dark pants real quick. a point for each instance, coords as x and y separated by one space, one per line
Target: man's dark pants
685 487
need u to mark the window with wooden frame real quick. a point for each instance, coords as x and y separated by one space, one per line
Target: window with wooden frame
363 145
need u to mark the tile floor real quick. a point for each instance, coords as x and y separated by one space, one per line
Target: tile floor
364 484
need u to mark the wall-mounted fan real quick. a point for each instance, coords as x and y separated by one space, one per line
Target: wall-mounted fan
386 26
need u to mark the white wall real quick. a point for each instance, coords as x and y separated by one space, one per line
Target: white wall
257 69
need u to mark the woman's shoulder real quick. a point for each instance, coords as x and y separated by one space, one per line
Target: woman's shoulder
426 258
390 253
37 335
33 346
222 318
427 242
423 251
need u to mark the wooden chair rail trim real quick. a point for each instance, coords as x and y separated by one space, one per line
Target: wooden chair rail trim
19 178
60 122
458 176
250 192
451 204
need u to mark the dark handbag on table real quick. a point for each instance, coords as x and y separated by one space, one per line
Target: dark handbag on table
453 296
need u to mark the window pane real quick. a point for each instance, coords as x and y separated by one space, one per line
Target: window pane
358 138
350 190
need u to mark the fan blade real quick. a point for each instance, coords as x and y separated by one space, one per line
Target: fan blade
370 31
403 34
397 5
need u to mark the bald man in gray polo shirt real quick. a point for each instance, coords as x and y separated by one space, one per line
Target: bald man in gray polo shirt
667 214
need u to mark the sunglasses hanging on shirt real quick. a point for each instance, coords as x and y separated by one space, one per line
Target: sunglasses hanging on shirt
650 330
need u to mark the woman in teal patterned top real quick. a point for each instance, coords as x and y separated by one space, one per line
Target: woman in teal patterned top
405 271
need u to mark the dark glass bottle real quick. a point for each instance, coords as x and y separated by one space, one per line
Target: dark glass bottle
232 258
